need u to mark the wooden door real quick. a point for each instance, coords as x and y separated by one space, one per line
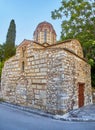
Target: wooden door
81 94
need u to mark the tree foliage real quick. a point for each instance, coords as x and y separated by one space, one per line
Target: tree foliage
78 21
1 52
1 59
10 40
8 48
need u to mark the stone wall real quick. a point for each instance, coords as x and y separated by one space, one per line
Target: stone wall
50 78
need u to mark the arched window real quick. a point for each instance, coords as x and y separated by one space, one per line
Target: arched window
45 35
23 66
23 51
37 37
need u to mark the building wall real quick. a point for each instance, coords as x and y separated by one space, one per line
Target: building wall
50 78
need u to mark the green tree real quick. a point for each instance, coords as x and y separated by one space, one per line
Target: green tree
1 59
78 21
10 40
8 48
1 66
1 53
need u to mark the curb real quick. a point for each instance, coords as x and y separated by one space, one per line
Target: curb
75 119
56 117
27 109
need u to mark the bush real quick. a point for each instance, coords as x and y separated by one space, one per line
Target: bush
1 100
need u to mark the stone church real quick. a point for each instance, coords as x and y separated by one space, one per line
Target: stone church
47 75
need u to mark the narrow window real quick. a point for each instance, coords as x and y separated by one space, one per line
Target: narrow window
23 51
37 37
23 66
45 35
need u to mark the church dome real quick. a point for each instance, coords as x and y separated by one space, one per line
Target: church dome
45 33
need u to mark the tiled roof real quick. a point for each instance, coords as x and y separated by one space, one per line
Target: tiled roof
45 24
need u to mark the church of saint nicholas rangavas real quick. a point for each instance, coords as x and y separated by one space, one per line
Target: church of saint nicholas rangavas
47 75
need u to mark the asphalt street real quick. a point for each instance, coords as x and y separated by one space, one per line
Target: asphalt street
14 119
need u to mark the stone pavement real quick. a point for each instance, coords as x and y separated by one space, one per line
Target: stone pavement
86 113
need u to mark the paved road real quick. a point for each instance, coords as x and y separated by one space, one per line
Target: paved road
13 119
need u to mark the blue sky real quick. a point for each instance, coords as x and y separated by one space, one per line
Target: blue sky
27 15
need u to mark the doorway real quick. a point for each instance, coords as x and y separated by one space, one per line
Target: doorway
81 94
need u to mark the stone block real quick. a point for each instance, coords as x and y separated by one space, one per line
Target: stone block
42 94
39 86
43 69
34 86
37 97
36 70
44 81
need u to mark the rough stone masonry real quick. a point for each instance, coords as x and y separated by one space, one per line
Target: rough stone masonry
47 75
